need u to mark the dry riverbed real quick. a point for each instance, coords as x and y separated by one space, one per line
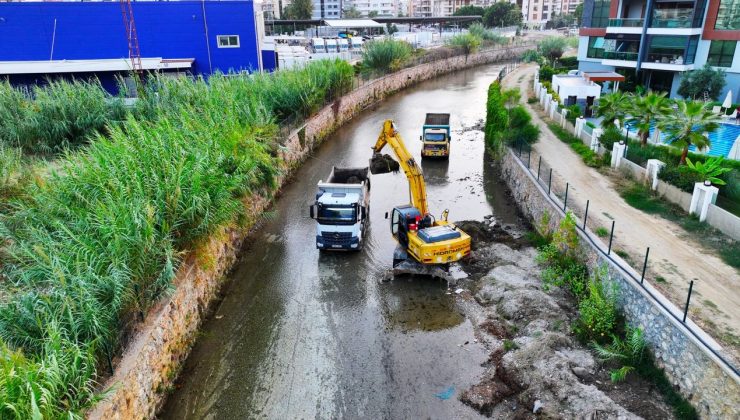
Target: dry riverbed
536 366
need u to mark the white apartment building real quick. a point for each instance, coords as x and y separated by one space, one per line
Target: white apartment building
327 9
539 12
437 8
384 8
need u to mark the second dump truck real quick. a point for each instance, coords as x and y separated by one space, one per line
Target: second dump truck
436 136
341 209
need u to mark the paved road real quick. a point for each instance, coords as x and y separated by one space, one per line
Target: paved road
301 334
674 255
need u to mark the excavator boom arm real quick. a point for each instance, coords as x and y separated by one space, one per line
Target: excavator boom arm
417 187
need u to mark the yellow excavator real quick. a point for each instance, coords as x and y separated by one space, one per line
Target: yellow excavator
427 240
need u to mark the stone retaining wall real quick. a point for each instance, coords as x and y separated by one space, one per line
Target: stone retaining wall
153 358
712 387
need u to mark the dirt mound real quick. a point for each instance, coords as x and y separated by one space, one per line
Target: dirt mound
537 369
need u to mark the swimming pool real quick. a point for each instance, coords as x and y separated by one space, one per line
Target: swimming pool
721 140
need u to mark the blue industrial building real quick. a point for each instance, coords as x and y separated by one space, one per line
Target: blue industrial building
41 40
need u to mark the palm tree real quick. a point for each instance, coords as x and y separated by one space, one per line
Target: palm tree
687 126
613 107
646 109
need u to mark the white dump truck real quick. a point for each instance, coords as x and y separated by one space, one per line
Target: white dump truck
342 209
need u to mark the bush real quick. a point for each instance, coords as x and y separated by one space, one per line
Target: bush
385 55
561 258
567 63
552 47
609 136
532 56
58 116
546 73
598 311
100 240
466 42
496 117
574 111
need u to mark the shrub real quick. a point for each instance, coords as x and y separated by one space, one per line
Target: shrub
552 47
609 136
467 42
546 73
597 311
496 117
58 116
574 111
629 353
99 241
561 259
532 56
567 63
385 55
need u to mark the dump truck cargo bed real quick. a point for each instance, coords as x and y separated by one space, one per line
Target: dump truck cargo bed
437 119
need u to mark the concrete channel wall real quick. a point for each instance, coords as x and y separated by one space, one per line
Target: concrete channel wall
151 362
711 386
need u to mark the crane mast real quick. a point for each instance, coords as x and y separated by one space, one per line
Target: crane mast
134 54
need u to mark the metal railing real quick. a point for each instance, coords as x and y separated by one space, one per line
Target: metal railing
671 23
627 23
617 55
543 175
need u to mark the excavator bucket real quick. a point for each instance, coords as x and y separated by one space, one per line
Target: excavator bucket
383 164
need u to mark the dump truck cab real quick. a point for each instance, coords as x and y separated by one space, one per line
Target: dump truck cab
436 136
341 209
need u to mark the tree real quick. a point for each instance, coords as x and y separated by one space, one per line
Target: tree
552 47
560 21
372 14
613 107
694 83
578 13
645 110
688 125
469 11
299 9
352 13
502 14
391 28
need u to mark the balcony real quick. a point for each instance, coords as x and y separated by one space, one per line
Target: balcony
623 56
671 23
627 23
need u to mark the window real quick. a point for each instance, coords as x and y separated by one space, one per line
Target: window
595 47
721 53
228 41
544 16
600 16
534 16
728 15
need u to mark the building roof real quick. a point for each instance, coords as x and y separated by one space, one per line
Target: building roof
603 76
352 23
80 66
571 80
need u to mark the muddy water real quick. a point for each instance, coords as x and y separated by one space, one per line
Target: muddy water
301 334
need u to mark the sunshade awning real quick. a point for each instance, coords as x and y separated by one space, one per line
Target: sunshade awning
81 66
352 23
603 76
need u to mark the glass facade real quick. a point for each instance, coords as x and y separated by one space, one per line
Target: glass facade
668 49
721 53
600 16
728 15
595 47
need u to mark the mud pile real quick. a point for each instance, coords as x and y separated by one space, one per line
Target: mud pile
383 164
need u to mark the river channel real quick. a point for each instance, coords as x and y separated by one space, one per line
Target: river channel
301 334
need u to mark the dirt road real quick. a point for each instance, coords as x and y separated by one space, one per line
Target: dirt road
674 255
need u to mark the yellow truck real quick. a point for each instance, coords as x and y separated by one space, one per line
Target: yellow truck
421 236
435 135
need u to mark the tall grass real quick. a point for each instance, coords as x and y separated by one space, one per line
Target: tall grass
55 117
385 54
99 241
